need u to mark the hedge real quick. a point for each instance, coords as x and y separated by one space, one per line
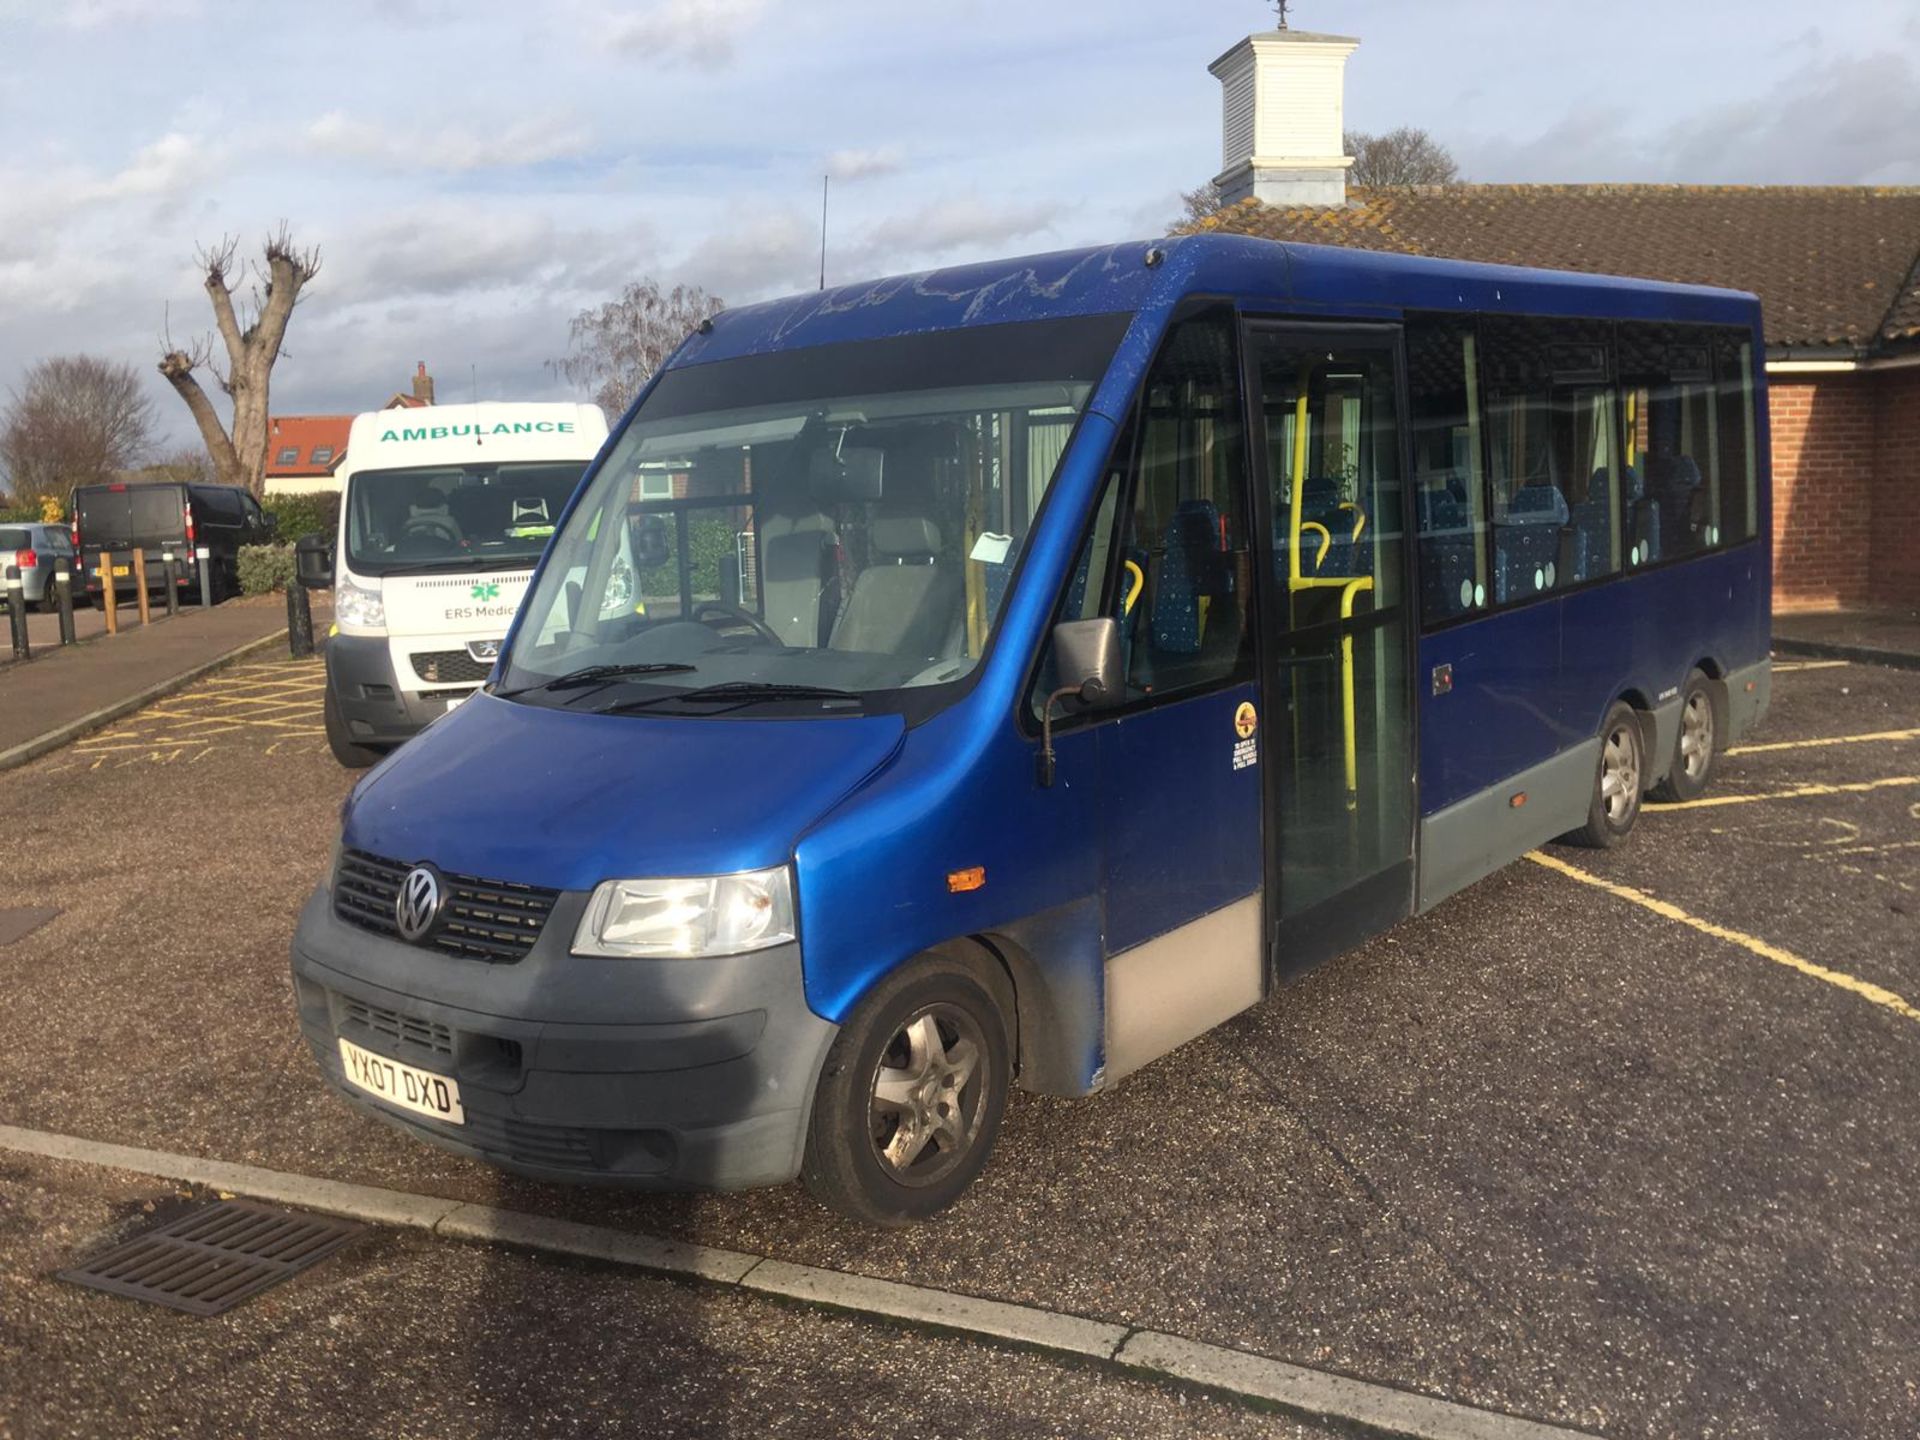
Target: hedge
265 568
299 515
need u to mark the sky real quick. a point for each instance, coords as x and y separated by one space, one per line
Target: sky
475 173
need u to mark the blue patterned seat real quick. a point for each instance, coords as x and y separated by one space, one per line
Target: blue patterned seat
1190 569
1526 543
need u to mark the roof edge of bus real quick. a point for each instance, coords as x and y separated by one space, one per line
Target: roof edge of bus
1134 275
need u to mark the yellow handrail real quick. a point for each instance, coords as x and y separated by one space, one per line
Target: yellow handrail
1326 544
1139 580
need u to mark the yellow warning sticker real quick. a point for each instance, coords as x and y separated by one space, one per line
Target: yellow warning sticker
1245 719
1246 750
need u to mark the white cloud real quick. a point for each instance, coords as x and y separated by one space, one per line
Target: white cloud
958 223
701 32
451 149
866 164
98 14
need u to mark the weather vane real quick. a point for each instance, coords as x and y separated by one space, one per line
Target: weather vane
1281 6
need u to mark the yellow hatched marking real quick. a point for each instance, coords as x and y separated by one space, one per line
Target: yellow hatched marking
1829 740
1797 793
1865 989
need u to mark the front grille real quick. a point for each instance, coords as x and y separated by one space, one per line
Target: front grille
449 667
482 919
427 1034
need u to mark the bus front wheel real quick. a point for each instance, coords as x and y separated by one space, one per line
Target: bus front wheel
910 1098
1616 782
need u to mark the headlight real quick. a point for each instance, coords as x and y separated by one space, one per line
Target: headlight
713 915
362 609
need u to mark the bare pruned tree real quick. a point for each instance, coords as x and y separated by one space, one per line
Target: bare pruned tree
1198 203
74 421
616 349
251 334
1398 159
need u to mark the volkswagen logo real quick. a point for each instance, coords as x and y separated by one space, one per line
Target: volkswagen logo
416 909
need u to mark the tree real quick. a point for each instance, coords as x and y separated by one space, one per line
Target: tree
1198 204
188 463
251 334
616 349
74 421
1398 159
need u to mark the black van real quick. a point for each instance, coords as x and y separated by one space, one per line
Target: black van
174 516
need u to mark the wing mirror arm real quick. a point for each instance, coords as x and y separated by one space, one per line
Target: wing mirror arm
1086 655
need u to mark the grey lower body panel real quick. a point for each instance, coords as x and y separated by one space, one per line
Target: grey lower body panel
653 1074
1474 837
1179 985
1662 728
1749 693
368 696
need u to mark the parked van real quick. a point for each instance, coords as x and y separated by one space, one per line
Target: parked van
443 513
1003 676
186 519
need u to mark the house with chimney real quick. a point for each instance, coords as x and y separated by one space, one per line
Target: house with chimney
1837 270
304 452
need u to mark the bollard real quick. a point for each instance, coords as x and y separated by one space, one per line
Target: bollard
17 613
63 592
107 594
167 579
299 621
203 555
140 585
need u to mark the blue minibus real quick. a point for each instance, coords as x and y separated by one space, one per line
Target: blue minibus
1000 676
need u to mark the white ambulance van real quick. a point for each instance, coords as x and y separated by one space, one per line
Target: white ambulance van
443 514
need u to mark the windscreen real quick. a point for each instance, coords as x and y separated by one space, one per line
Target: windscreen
815 531
439 517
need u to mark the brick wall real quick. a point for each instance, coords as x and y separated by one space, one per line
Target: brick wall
1895 578
1824 461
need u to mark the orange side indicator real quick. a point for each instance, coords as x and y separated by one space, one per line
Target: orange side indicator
1517 799
961 881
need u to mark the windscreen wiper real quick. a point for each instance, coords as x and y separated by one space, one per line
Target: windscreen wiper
735 693
596 674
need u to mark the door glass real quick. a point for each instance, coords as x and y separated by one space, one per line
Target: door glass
1340 731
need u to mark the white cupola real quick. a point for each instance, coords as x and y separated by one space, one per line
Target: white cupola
1283 97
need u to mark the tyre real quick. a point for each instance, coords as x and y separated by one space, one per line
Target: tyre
50 600
910 1098
1696 752
349 753
1616 782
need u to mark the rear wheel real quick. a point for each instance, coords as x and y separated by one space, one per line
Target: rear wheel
1696 752
911 1095
1616 782
345 749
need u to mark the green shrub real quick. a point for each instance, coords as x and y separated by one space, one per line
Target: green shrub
304 514
265 568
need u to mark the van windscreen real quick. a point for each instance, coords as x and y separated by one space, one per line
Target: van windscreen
838 524
438 517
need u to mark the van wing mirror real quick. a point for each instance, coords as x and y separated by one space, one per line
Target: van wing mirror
313 561
1088 661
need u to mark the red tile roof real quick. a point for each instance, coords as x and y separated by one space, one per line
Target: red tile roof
304 434
1834 266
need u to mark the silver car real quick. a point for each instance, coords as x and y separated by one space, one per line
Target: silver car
33 553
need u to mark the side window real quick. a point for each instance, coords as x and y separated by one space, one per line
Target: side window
1553 480
1736 498
1672 442
1167 554
1443 401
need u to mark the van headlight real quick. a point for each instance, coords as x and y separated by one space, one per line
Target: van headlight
359 607
683 919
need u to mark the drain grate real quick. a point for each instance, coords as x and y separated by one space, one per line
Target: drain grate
212 1259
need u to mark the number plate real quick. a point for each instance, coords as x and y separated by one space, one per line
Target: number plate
120 570
420 1091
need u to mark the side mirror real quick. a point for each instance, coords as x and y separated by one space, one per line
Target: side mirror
313 561
650 545
269 523
1088 661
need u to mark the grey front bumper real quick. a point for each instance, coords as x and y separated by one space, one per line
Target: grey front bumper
661 1074
368 694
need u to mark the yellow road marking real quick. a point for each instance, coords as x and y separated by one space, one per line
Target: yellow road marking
1798 792
1793 665
1866 989
1830 740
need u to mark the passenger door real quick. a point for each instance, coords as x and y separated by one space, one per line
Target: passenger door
1338 731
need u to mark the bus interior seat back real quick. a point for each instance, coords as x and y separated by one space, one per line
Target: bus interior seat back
1192 569
1527 541
1586 549
907 599
1643 515
797 576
